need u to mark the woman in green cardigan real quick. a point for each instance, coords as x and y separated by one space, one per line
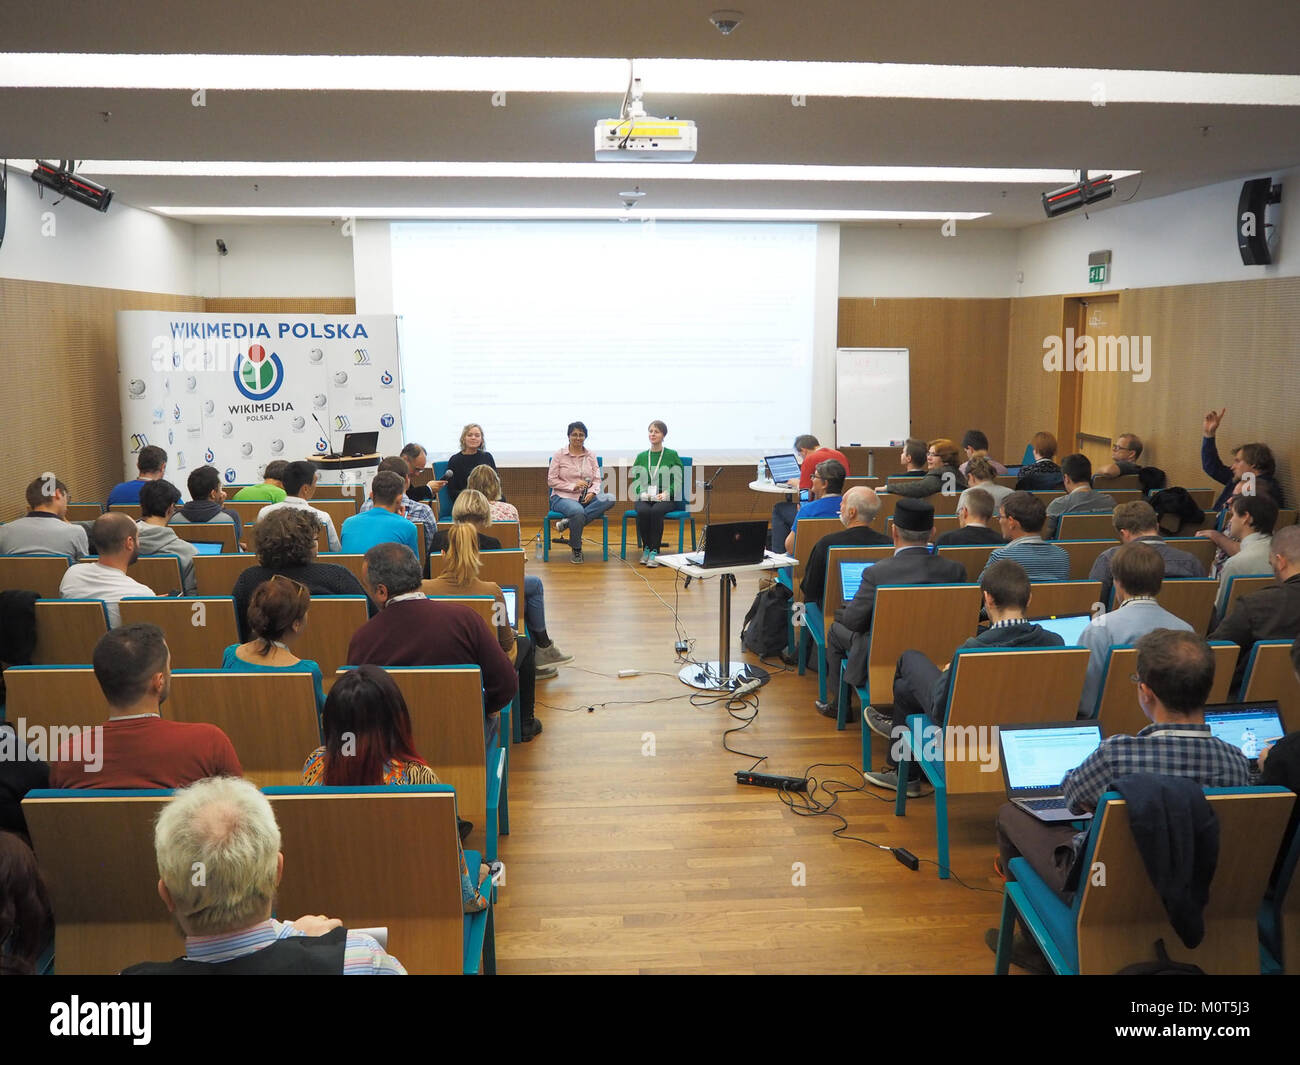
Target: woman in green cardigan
657 481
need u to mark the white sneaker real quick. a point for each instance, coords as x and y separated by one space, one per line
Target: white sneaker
552 656
561 525
645 556
653 560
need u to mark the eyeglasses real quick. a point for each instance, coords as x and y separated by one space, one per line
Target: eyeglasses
301 589
1120 447
1135 679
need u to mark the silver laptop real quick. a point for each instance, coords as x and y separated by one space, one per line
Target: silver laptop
1250 727
1035 759
783 467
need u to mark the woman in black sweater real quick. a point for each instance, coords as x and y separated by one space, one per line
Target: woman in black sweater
471 454
286 544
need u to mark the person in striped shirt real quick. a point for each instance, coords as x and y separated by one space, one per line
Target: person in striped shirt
1023 516
225 829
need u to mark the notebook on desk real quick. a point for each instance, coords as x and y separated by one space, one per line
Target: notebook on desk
1035 759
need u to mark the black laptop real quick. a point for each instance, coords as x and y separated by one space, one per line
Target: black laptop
358 444
737 543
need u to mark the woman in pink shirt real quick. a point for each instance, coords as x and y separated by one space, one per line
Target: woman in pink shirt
574 480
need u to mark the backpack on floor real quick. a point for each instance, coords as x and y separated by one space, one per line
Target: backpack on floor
765 627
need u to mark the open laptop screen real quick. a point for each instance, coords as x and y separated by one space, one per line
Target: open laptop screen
1036 758
1069 627
851 577
1247 727
206 549
783 467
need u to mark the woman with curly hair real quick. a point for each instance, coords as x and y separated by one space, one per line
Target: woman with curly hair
26 921
286 544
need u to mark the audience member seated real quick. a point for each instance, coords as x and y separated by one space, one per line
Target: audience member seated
205 505
473 507
460 576
1175 671
413 630
941 474
417 458
1136 522
136 748
912 563
117 543
486 481
228 829
472 454
151 464
827 486
810 453
286 544
1251 520
368 742
300 486
1042 475
911 459
411 509
858 509
981 474
1137 571
574 481
974 511
277 615
1279 766
975 445
158 501
658 488
921 687
26 918
382 522
45 529
1022 518
1124 455
1230 543
1271 613
271 490
1080 497
1253 470
21 770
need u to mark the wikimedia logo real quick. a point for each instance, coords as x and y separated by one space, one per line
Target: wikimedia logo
386 379
209 456
259 375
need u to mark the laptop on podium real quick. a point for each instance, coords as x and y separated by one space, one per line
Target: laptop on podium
357 444
736 543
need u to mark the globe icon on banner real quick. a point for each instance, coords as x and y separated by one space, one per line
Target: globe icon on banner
209 407
246 449
318 400
315 355
227 428
299 422
277 446
136 387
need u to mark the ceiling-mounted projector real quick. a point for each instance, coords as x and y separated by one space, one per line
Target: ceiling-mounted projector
638 137
62 180
1083 192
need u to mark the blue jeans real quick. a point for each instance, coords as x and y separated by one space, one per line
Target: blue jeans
534 604
783 515
578 515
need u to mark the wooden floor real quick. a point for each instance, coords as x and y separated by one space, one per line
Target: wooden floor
635 851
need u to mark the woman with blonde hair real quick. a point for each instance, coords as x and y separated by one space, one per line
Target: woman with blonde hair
486 480
941 474
460 576
473 452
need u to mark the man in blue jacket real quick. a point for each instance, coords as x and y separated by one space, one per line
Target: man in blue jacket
920 687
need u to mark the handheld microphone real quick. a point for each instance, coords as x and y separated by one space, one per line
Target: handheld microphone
328 436
716 474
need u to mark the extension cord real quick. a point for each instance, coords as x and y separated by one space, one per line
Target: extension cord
749 686
771 780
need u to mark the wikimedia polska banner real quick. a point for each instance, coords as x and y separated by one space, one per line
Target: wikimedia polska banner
236 391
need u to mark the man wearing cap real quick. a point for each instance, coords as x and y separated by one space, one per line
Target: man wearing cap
912 564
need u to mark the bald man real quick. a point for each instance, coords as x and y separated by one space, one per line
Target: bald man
117 540
858 509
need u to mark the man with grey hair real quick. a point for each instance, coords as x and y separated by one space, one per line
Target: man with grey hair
413 630
117 540
1136 521
1271 613
858 509
225 830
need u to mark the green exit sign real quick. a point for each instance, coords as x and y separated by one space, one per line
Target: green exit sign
1097 274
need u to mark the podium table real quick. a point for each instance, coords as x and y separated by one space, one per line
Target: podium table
343 468
722 674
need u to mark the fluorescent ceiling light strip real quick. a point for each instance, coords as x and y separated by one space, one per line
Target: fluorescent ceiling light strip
470 213
626 171
51 70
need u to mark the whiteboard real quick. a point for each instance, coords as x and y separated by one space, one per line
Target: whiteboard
873 405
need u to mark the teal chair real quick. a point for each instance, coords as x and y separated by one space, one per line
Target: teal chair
1274 931
1116 916
679 516
444 496
552 515
813 638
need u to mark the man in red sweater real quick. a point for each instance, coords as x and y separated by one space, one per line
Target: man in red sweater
810 453
413 630
137 748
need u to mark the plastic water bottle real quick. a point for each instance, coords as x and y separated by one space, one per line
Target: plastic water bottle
761 474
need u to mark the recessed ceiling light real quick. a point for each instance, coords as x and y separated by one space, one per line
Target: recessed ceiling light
727 214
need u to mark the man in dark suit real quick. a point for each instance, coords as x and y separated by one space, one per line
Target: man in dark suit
1271 613
912 564
974 516
858 509
921 687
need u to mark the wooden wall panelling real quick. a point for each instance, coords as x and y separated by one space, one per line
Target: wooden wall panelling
1031 399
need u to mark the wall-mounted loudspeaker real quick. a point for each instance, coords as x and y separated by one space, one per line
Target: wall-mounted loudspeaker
1257 225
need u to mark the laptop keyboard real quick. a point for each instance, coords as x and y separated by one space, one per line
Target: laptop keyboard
1044 804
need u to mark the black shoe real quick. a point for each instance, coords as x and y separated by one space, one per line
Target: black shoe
788 658
464 828
828 709
529 729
